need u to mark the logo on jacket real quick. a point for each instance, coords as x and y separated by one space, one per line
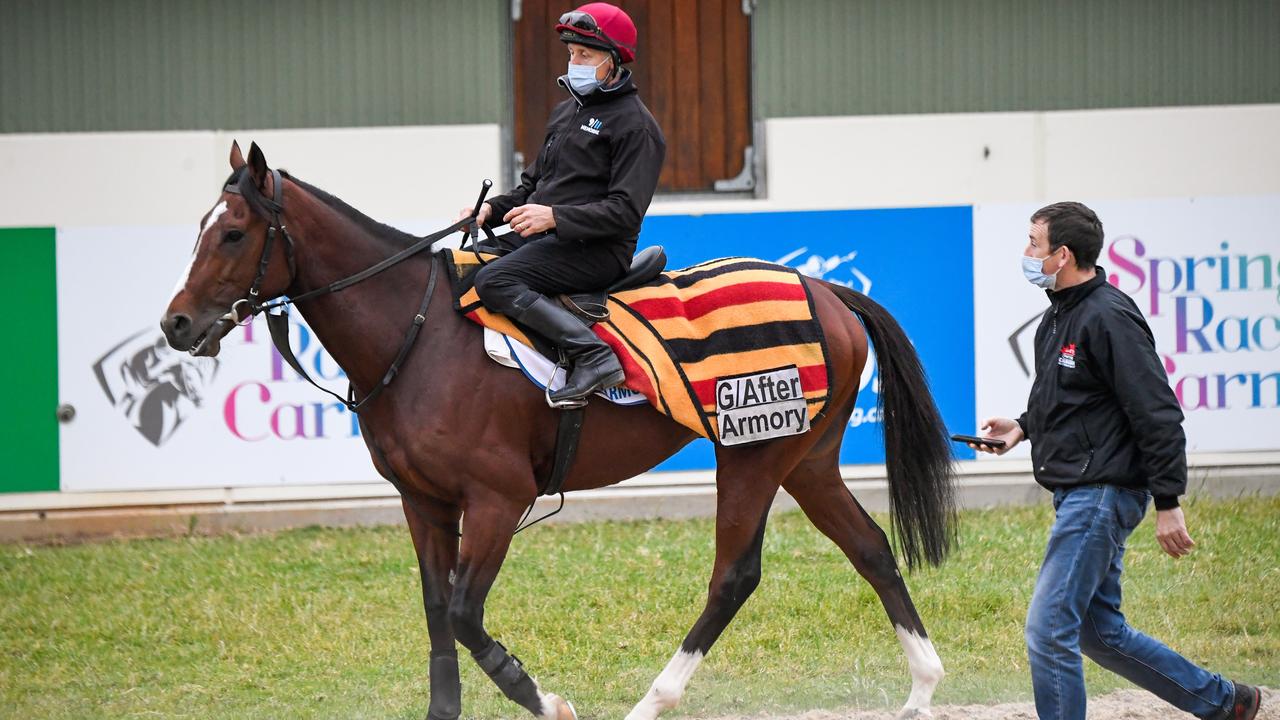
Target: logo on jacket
592 126
1068 357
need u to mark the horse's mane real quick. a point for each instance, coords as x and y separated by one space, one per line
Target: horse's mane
261 205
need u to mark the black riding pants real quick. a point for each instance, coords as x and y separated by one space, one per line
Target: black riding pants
544 265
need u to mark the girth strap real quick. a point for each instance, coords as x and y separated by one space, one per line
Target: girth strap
568 432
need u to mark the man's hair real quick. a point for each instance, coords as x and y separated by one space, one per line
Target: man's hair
1076 226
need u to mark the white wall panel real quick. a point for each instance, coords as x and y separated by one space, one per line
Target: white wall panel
901 160
106 178
907 160
1163 152
165 178
400 174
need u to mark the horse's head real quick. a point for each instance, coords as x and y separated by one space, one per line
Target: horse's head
233 266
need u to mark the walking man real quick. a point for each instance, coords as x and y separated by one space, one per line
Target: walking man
1106 437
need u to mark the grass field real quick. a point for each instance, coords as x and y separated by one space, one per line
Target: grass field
328 623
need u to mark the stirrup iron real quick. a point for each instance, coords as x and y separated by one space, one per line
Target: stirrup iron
568 403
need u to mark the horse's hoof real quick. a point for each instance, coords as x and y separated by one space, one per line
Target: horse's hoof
561 709
914 714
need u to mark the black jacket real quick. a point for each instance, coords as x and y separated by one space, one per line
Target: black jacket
1101 410
598 168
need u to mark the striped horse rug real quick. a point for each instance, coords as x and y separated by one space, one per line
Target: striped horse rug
729 348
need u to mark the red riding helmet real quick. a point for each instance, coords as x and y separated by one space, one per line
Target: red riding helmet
600 25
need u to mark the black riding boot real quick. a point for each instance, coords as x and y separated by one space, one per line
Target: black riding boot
592 362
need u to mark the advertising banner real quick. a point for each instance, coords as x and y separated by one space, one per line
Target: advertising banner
147 417
1206 274
917 262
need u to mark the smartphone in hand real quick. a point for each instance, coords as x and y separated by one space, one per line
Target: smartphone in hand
989 442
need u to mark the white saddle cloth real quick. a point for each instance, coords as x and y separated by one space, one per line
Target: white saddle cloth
540 370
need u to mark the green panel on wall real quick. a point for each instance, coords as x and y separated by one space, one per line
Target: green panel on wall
29 361
87 65
873 57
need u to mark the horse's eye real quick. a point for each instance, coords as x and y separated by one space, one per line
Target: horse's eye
232 236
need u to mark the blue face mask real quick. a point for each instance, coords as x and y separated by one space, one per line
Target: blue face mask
1033 269
582 78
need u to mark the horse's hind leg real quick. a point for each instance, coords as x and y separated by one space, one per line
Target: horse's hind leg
490 523
743 500
817 487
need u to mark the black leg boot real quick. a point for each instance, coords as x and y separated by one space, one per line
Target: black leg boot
594 366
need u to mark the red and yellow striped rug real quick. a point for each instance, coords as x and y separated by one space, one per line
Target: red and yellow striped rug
680 333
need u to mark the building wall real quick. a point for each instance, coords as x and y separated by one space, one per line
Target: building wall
889 57
80 65
85 65
415 173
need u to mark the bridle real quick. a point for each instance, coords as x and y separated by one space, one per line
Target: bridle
275 205
246 308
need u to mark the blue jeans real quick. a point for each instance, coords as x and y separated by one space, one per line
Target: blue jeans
1076 608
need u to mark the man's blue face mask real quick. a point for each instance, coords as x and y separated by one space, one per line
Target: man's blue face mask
1033 269
582 78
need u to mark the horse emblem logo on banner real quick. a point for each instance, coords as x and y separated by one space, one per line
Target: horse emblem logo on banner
154 387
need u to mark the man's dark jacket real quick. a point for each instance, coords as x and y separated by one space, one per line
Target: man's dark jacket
597 169
1101 410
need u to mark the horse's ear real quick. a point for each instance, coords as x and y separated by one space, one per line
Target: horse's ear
257 165
237 158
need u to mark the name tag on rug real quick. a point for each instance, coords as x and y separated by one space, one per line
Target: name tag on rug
761 406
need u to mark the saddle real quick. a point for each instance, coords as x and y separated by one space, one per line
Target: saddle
592 307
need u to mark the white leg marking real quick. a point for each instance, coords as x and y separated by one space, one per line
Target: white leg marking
668 688
209 221
555 707
926 672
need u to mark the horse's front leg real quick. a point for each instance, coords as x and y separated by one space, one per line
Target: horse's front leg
490 523
434 528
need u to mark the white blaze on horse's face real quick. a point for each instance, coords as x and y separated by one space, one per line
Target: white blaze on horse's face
209 221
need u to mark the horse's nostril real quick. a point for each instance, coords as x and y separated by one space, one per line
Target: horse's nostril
179 324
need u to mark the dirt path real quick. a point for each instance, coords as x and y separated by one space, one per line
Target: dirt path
1120 705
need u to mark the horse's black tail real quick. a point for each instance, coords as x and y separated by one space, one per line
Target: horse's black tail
917 450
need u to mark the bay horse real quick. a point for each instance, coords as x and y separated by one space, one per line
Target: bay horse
462 437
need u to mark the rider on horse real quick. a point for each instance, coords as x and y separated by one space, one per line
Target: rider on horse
575 216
